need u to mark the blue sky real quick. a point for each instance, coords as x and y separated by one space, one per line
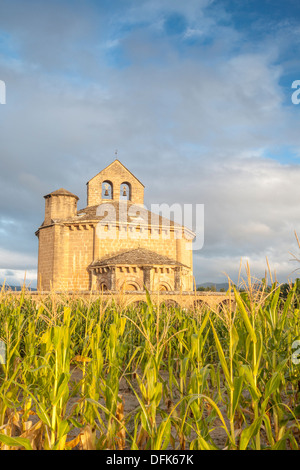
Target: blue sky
196 97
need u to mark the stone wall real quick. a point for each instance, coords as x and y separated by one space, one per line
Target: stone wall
68 250
194 300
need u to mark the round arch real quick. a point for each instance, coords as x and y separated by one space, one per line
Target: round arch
125 191
163 286
225 304
169 303
138 305
107 190
200 304
131 285
102 283
103 287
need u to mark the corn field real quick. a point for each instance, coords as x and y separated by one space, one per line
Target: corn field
92 375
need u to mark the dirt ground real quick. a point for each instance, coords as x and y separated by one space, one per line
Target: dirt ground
131 404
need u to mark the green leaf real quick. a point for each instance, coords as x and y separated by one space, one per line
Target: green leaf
245 316
258 354
237 384
222 358
163 435
42 414
234 340
15 441
62 387
274 310
268 429
248 374
250 432
281 444
204 445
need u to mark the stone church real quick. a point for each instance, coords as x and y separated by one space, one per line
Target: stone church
113 244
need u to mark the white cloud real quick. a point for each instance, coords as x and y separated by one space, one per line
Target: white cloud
18 277
195 128
14 260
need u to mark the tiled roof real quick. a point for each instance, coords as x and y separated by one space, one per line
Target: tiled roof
139 257
61 192
113 215
110 213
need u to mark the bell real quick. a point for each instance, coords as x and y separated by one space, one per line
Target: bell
106 190
124 191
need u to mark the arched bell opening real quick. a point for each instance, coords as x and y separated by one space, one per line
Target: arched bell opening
107 190
125 191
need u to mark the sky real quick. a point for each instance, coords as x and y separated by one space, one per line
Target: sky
195 95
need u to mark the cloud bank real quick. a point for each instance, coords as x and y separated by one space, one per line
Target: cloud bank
196 102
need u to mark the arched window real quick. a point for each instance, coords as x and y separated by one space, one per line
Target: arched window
107 190
125 191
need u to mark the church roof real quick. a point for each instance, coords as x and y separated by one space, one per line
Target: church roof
138 257
145 217
61 192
